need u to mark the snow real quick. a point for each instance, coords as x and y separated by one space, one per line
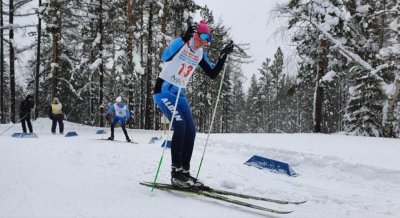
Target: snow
95 64
395 25
136 60
329 76
57 176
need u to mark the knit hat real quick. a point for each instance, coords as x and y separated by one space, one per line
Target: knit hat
203 28
119 99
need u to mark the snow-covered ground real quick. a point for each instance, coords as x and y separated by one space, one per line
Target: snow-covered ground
57 176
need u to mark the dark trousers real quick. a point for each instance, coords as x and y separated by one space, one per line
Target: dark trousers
184 128
58 118
26 120
123 121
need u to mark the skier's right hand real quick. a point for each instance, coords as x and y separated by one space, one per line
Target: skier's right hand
191 30
108 117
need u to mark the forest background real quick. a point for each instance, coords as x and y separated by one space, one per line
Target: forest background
88 52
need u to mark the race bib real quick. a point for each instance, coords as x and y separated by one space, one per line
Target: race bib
120 112
179 70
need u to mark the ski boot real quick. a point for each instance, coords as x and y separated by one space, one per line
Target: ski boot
179 180
196 182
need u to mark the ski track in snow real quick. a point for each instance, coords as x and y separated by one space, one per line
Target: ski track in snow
349 183
56 176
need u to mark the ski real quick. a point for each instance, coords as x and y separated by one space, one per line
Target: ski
212 195
223 192
117 141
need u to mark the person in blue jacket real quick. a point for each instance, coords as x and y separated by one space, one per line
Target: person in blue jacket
180 59
119 113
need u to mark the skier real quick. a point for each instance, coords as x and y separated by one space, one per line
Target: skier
180 59
25 113
121 113
56 114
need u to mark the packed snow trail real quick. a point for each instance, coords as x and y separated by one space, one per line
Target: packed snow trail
57 176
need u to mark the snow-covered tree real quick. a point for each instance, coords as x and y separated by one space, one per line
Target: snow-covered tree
351 32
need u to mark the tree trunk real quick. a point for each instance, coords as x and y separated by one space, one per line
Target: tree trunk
101 67
142 92
92 58
318 96
39 34
165 21
54 48
129 30
390 108
317 107
12 57
2 84
149 67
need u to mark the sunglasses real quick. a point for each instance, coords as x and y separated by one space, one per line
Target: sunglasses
205 37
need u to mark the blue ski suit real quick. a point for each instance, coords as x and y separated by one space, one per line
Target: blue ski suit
165 95
121 113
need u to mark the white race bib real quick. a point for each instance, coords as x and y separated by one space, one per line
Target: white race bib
179 70
120 112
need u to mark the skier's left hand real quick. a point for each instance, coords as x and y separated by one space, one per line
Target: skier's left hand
129 120
227 49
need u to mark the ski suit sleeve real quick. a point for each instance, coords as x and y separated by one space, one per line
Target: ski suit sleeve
209 68
128 113
172 49
110 109
21 107
50 112
31 105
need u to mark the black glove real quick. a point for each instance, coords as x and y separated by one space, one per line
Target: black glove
191 30
51 117
108 117
227 49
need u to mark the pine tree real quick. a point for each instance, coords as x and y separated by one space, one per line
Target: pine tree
354 38
12 60
254 106
276 85
266 95
2 70
238 104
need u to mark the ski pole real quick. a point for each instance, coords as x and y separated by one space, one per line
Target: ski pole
213 116
7 129
13 124
170 127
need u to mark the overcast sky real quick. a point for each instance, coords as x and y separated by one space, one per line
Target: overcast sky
250 23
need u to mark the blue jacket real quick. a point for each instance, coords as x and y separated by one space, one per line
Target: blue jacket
119 112
211 70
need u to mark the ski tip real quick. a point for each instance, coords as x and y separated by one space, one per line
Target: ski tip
146 183
299 202
284 212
